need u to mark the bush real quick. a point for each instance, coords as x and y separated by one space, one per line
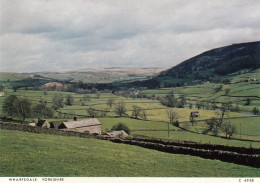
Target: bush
121 126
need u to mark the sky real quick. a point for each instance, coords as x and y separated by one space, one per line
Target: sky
57 35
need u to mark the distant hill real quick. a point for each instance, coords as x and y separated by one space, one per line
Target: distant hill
11 76
104 75
215 63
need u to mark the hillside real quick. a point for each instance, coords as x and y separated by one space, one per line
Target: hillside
11 76
213 64
26 154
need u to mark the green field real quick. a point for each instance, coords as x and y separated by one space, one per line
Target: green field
157 118
27 154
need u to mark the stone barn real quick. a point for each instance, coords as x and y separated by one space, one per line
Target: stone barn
92 126
195 114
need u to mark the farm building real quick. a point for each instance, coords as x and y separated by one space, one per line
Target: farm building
43 123
56 125
86 125
120 133
195 114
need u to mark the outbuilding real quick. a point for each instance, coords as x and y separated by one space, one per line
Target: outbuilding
43 123
92 126
195 114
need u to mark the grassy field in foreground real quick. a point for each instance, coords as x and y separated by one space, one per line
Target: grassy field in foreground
26 154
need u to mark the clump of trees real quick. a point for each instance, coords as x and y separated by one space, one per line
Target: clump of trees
215 125
57 101
172 101
42 111
121 126
138 112
69 100
22 108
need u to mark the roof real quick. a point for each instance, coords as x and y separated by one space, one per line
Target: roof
82 123
41 122
56 124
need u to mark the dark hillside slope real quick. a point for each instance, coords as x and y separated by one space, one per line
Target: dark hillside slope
219 61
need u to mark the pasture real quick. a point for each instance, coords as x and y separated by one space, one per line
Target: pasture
27 154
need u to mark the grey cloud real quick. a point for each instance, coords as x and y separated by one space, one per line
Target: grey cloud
61 34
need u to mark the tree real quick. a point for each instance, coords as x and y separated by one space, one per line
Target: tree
143 115
121 126
136 111
2 87
227 90
248 101
192 119
42 111
9 105
98 94
198 105
91 112
172 115
120 108
223 111
110 102
213 105
229 129
169 101
219 88
87 98
57 101
255 111
69 100
45 92
23 107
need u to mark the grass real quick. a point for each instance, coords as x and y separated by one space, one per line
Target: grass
193 137
26 154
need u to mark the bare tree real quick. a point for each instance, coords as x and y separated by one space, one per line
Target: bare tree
222 113
136 111
172 115
143 115
229 129
192 119
110 102
120 108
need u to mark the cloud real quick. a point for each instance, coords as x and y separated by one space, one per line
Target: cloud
61 34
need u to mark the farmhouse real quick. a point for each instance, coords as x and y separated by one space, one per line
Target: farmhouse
120 133
87 125
195 114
